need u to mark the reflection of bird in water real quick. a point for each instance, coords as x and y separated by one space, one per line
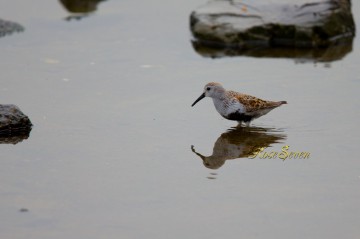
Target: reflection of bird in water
237 106
240 142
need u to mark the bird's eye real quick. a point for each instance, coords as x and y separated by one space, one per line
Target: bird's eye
208 88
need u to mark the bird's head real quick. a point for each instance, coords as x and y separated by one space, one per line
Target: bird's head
212 89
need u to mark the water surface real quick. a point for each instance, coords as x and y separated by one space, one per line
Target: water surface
110 154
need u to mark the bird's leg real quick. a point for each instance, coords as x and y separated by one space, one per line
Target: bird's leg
247 123
239 124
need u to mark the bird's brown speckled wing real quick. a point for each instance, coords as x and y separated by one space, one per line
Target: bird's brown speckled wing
252 103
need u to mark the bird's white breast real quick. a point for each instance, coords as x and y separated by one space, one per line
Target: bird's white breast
228 106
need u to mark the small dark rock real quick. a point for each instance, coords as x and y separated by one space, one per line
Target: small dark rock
15 126
23 210
80 6
7 27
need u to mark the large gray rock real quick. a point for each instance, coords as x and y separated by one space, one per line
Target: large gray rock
248 23
7 27
14 124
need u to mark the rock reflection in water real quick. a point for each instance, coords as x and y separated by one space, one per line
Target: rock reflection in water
20 135
240 142
80 8
328 54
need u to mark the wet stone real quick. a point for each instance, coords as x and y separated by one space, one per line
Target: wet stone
80 8
7 27
296 23
15 126
24 210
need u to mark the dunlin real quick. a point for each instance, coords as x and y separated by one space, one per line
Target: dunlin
237 106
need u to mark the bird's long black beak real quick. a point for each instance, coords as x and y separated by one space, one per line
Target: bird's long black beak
202 96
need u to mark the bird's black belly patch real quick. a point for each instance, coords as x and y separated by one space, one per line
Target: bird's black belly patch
239 117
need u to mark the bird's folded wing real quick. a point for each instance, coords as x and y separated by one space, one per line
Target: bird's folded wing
253 103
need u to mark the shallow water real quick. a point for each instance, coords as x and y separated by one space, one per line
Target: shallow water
110 154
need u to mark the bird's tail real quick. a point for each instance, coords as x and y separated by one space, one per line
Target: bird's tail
274 104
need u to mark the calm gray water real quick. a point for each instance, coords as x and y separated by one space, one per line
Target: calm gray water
110 154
